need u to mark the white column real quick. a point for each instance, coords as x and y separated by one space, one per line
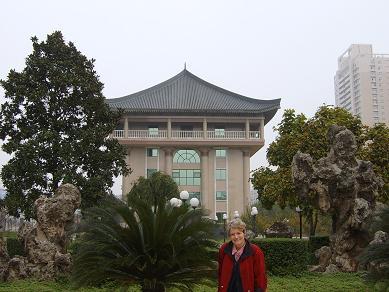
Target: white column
246 177
169 128
262 129
168 160
126 127
207 199
247 129
205 128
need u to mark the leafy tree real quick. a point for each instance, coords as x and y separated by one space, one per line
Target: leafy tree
376 150
159 186
291 133
152 244
55 124
296 132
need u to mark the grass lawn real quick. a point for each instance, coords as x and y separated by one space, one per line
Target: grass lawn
308 282
319 282
10 234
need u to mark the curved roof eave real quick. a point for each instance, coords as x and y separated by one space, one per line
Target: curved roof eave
187 93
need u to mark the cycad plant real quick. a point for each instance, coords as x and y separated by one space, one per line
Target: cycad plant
377 254
154 245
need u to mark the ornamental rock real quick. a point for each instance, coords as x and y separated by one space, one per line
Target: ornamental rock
45 242
344 187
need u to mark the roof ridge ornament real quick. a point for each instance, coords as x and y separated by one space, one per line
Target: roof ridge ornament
184 65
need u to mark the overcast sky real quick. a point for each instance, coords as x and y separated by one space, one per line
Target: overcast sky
261 49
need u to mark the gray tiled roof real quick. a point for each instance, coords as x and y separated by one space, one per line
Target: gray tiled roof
187 94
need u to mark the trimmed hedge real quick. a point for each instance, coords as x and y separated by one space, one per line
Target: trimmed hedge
284 256
314 243
14 247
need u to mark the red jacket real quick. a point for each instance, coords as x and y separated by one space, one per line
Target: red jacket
251 266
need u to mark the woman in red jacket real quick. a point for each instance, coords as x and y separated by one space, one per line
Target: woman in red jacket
241 264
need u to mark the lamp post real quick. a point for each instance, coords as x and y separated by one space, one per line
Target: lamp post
194 202
174 202
224 226
300 212
254 213
236 214
184 195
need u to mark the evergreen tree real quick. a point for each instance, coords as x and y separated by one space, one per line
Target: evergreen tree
55 124
158 186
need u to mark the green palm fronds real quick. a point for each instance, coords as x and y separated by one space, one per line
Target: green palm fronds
154 246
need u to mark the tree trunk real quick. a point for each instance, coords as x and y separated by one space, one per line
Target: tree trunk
334 222
312 222
315 222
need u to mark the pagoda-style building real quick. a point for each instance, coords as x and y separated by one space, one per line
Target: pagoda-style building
200 134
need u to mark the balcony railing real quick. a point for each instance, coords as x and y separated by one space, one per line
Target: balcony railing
187 135
254 135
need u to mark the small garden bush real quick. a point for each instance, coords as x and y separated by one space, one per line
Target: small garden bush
148 242
73 246
284 256
376 256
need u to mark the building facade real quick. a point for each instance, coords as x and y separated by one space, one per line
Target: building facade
200 134
2 190
362 84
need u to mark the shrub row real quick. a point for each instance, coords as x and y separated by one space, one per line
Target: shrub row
284 256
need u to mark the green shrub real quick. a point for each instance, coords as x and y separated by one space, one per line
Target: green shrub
378 253
284 256
14 247
73 246
314 243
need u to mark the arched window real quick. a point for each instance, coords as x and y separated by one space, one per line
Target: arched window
186 156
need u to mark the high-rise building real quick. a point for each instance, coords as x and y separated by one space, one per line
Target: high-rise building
200 134
362 84
2 192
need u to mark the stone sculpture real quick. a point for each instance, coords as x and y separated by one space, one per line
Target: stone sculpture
344 187
380 237
45 242
3 257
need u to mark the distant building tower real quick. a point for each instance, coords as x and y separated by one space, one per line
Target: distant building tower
200 134
362 84
2 191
